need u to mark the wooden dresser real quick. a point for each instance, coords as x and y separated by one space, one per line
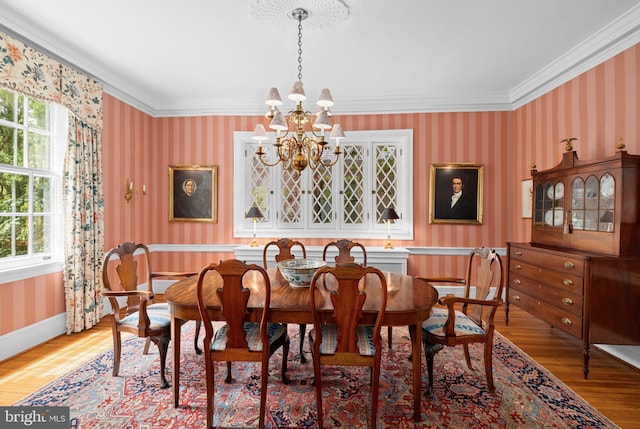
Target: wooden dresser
581 270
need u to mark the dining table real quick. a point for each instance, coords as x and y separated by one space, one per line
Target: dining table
409 303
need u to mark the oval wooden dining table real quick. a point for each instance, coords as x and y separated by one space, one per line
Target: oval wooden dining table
409 303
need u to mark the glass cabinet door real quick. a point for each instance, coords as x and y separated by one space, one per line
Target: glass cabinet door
549 204
593 203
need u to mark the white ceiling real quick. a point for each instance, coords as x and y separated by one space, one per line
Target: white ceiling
194 57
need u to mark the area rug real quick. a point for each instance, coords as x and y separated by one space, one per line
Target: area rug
527 395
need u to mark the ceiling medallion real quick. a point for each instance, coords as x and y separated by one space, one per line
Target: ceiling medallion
278 13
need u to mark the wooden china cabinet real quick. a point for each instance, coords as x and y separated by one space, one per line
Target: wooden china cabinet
581 270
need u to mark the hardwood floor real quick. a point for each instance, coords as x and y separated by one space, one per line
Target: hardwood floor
613 387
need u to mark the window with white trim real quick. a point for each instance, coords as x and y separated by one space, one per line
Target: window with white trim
33 134
346 200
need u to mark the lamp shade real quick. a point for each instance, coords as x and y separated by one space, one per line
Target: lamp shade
273 97
297 92
259 133
322 121
325 99
278 123
389 214
254 212
337 133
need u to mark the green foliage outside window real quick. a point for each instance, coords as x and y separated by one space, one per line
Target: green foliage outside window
25 193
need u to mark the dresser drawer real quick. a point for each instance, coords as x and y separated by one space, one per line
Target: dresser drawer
558 317
557 261
557 297
520 271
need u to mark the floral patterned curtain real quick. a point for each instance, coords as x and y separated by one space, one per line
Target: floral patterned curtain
84 226
30 72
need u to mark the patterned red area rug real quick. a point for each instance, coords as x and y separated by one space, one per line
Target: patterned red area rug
527 395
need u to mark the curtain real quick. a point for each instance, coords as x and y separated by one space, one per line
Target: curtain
84 226
30 72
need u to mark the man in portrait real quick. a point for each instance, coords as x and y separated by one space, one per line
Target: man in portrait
457 203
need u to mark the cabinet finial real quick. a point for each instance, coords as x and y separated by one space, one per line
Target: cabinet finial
568 147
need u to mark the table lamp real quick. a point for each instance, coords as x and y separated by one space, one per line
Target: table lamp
255 213
389 214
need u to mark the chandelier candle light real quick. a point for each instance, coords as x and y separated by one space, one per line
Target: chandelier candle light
299 149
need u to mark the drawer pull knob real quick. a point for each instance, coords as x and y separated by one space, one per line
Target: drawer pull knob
516 297
517 282
518 253
569 265
518 267
567 282
567 321
567 301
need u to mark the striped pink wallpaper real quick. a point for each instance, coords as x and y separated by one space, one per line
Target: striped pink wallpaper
598 107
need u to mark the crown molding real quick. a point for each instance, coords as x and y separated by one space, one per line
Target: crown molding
619 35
613 39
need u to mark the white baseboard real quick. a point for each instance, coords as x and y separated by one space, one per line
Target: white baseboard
21 340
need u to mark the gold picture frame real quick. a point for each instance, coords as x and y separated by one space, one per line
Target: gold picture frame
444 179
193 193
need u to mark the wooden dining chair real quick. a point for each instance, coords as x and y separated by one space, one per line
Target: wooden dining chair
469 318
285 252
238 339
345 340
344 251
132 301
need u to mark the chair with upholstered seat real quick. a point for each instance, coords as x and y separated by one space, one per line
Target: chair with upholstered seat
132 302
344 251
345 339
238 339
469 318
286 247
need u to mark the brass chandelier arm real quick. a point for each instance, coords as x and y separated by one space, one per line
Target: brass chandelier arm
260 153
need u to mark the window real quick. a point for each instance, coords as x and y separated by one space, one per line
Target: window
32 139
345 200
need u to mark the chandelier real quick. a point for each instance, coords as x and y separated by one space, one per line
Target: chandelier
298 148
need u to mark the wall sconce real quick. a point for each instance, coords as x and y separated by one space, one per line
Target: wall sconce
128 190
254 213
389 214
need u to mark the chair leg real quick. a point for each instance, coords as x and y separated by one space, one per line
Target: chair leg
303 333
263 390
195 340
389 334
430 351
285 358
317 381
117 351
467 356
163 345
210 374
147 343
229 378
375 388
488 365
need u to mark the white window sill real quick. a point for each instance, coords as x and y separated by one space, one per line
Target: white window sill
25 272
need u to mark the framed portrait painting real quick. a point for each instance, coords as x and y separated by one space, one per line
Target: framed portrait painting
193 193
455 193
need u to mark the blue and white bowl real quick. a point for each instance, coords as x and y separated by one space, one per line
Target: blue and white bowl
299 272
